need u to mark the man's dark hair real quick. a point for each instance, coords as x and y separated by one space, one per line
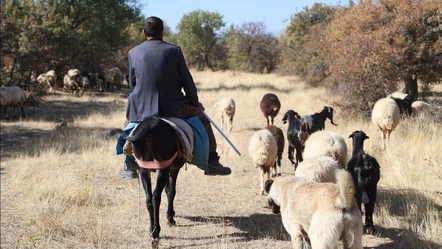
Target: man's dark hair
153 26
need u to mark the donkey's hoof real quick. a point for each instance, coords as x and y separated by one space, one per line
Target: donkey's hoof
155 243
171 222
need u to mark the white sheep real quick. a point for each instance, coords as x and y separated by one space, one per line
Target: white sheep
263 150
327 143
385 116
420 107
72 80
226 107
318 169
12 96
49 78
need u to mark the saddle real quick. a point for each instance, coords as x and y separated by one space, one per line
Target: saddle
192 138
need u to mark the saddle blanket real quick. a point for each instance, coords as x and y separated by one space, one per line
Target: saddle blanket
191 134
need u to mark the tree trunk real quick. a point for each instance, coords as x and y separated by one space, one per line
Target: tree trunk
207 62
410 82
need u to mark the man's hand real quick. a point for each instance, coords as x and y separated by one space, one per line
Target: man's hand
125 123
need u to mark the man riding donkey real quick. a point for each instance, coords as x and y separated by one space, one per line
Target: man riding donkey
157 75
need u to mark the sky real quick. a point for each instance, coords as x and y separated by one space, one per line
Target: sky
275 14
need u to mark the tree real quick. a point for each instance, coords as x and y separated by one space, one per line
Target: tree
199 32
305 49
376 44
60 34
252 49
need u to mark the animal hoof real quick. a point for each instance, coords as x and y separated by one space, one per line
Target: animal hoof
279 174
369 230
155 243
171 222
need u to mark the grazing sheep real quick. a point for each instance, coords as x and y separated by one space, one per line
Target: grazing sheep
103 80
263 150
50 79
293 136
72 80
325 169
420 107
270 106
327 143
279 136
226 107
316 121
91 77
115 78
365 171
12 96
385 115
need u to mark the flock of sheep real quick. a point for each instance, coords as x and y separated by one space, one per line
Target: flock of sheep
321 157
74 81
77 81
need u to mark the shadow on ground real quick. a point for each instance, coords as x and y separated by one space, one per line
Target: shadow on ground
399 203
253 227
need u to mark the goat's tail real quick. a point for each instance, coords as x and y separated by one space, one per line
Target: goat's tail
344 181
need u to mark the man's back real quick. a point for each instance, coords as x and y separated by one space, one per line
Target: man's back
157 72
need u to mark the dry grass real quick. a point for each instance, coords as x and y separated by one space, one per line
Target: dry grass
60 186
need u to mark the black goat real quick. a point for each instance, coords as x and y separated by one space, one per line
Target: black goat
405 104
270 106
294 120
365 171
154 139
317 121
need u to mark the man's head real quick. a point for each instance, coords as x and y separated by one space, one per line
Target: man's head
153 27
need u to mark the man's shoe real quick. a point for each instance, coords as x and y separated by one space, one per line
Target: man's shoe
128 174
215 168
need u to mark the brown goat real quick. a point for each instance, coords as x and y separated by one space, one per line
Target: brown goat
279 135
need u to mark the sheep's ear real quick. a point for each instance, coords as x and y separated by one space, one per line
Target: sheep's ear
351 135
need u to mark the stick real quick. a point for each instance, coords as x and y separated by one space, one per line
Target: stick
222 133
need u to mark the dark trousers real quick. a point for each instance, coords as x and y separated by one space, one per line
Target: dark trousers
187 111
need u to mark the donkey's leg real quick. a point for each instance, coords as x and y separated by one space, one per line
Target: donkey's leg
146 180
171 191
162 178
